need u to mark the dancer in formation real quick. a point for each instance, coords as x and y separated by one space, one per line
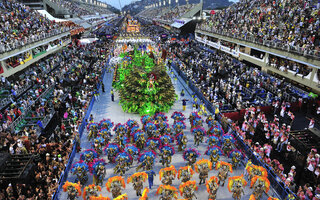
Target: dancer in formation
90 191
236 186
80 169
203 167
114 185
187 190
212 187
191 155
167 175
99 171
224 169
167 192
185 173
260 185
137 179
73 189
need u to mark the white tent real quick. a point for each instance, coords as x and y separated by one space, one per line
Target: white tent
50 17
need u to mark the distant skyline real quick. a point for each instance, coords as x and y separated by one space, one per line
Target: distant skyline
116 4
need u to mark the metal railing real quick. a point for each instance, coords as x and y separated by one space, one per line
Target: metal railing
276 44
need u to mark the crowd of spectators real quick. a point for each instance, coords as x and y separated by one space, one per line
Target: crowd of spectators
19 26
166 13
222 80
74 83
287 65
287 22
81 9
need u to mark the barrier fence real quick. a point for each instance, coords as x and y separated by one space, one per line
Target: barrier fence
274 179
83 125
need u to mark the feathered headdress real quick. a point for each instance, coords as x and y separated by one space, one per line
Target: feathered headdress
113 179
178 116
123 155
231 180
161 116
166 137
179 124
150 126
145 119
137 135
146 154
252 197
212 179
154 140
144 195
186 168
92 186
138 174
132 123
167 148
234 152
263 179
226 137
191 184
92 125
113 146
106 123
206 162
122 197
211 149
162 188
179 138
88 153
215 131
198 129
187 152
172 169
100 197
78 165
132 148
96 163
221 163
70 184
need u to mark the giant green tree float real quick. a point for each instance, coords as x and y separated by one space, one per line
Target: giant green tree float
144 86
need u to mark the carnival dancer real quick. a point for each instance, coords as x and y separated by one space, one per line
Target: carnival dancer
167 192
191 155
133 151
224 169
73 189
212 187
150 128
227 141
178 127
90 191
167 175
185 173
260 185
105 124
111 150
93 130
181 141
139 138
146 160
123 160
99 171
213 141
177 116
137 179
187 190
199 133
97 144
255 170
100 197
153 143
114 185
80 169
166 139
236 156
166 153
203 167
236 186
214 152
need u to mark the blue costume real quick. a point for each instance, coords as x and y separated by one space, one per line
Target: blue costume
151 174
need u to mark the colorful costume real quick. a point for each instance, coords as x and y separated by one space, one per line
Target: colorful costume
212 187
178 116
144 194
146 159
114 185
90 191
236 185
150 128
153 143
88 155
133 151
187 189
167 192
181 141
137 179
111 150
123 160
166 154
191 156
99 171
80 169
214 152
236 156
73 189
213 140
178 126
139 139
224 168
93 130
260 185
203 167
167 175
166 139
199 133
100 197
227 141
97 144
255 170
185 173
